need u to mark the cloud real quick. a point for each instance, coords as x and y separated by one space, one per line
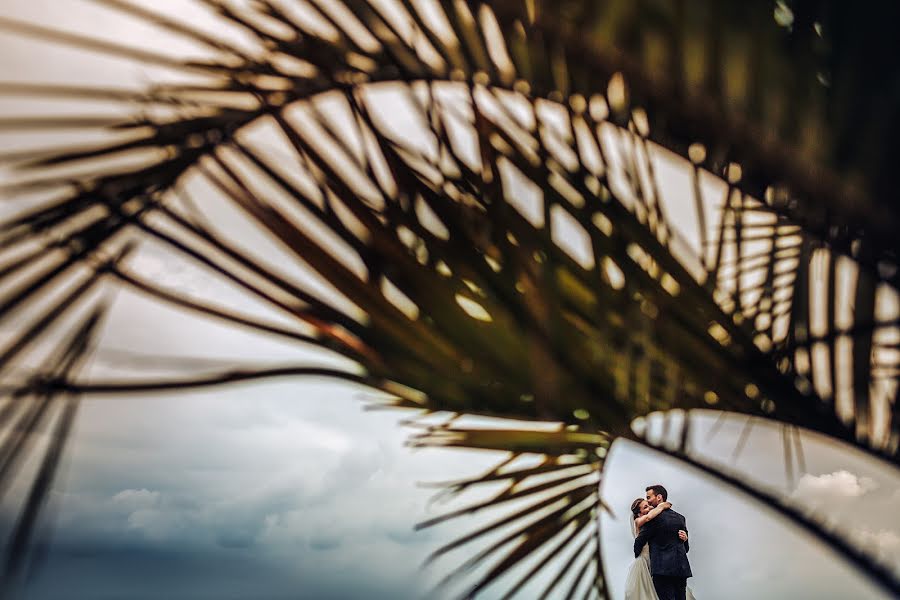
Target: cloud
174 274
885 541
883 544
136 499
839 484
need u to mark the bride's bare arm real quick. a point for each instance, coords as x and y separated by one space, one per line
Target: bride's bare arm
640 521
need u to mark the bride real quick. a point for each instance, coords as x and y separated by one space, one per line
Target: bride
639 582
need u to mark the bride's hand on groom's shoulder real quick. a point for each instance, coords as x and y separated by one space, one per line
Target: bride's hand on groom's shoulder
666 505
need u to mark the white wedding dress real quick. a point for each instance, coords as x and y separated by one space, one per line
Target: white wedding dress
639 582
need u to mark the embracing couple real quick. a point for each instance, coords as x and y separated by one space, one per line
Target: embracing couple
660 568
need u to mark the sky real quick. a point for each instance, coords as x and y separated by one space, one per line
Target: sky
291 489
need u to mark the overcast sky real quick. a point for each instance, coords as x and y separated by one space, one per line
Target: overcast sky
289 489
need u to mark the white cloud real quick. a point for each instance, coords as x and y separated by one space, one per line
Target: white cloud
884 544
885 541
164 269
839 484
133 500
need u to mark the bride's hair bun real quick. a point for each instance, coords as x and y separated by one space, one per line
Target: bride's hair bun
636 507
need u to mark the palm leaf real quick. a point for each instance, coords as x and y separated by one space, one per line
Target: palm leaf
511 247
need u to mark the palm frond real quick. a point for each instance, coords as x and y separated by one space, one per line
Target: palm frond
511 246
557 503
26 413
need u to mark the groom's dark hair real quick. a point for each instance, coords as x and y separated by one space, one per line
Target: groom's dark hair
658 489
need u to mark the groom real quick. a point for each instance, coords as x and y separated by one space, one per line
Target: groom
667 536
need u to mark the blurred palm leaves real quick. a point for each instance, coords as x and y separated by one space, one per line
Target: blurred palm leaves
570 212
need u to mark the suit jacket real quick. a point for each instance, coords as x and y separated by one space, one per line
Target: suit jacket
668 554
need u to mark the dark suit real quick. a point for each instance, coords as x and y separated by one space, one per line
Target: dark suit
669 565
